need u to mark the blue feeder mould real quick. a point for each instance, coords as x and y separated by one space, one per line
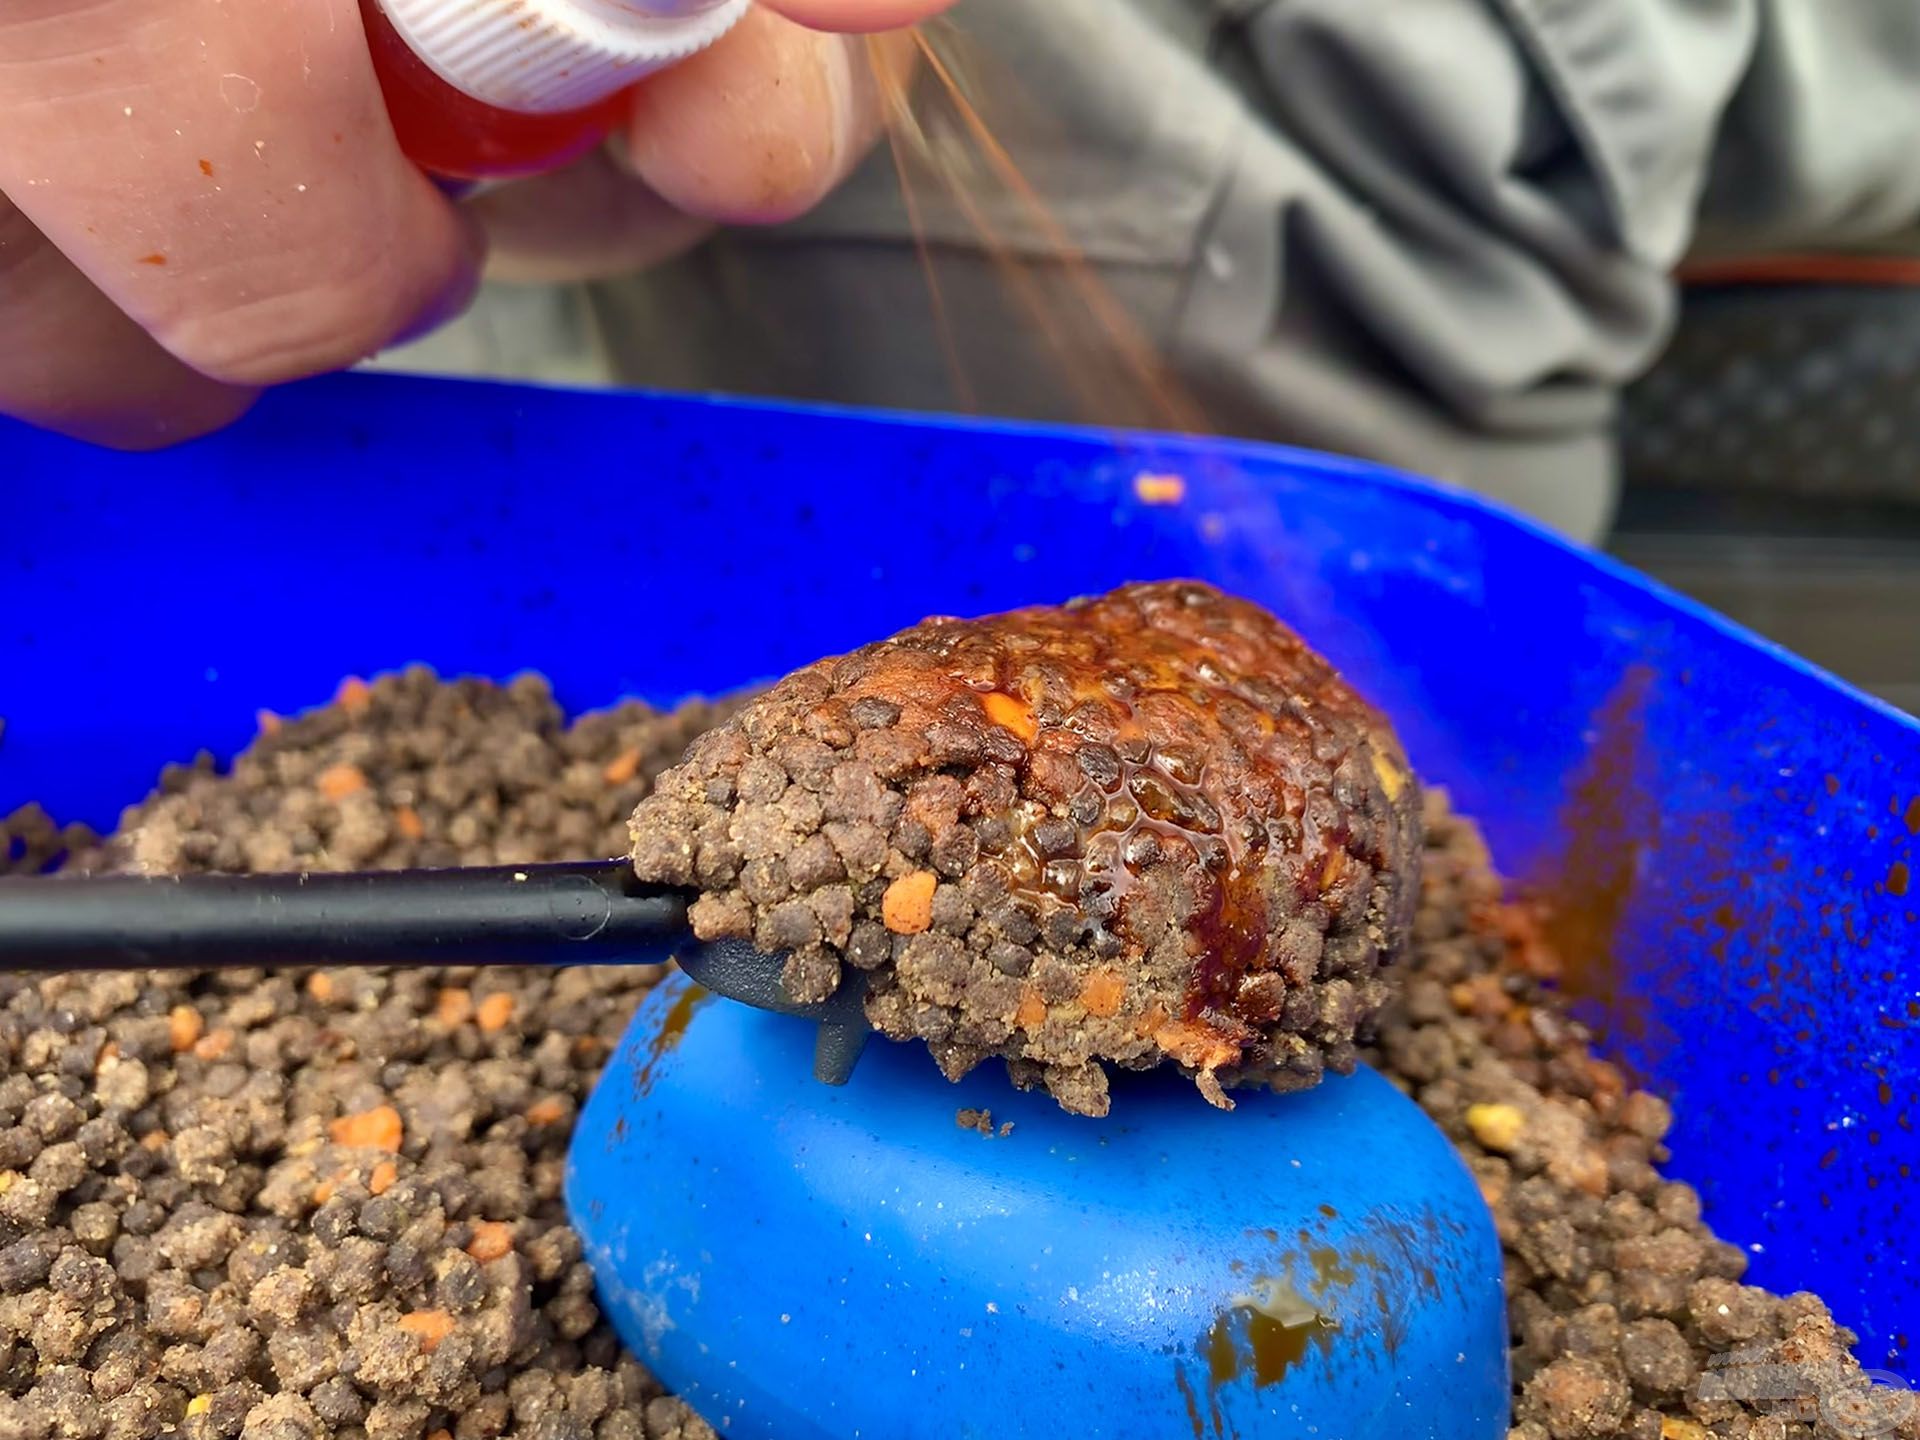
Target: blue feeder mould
804 1263
1746 836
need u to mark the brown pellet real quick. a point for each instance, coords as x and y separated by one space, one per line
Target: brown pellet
222 1165
1163 795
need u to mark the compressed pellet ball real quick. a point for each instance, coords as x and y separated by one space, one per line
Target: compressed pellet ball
1152 827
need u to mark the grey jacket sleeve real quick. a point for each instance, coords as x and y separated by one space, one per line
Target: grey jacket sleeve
1439 233
1821 142
1449 238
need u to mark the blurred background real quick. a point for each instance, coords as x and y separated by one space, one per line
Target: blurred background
1772 465
1771 458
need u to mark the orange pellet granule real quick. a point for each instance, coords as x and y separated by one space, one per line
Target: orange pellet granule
907 907
376 1129
454 1007
339 781
354 695
213 1046
1159 489
1102 994
184 1027
491 1240
430 1326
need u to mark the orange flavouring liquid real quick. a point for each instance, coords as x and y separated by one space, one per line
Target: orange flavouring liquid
482 89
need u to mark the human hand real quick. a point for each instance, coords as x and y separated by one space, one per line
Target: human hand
756 130
199 198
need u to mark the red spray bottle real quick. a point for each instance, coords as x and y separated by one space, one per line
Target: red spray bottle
481 89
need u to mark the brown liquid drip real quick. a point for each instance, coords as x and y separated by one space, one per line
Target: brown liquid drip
1261 1336
1160 762
1372 1281
667 1038
1159 800
1166 738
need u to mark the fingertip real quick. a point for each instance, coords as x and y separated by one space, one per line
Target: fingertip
206 411
151 404
463 262
756 130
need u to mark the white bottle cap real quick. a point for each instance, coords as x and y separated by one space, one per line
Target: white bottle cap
545 56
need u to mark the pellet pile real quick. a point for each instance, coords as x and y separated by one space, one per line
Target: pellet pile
289 1206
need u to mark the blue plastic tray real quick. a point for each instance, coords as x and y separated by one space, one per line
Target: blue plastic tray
1748 825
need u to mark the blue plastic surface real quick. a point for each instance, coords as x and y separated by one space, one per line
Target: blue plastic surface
803 1263
1768 814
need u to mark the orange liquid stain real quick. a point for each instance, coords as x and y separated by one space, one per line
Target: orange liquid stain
668 1037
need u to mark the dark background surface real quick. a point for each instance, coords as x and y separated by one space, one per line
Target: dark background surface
1837 583
1773 472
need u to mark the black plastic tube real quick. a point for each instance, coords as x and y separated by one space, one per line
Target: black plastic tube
592 912
588 913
